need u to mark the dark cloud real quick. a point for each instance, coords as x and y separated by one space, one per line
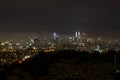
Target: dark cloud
60 15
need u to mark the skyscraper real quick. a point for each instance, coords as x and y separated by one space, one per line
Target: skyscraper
54 35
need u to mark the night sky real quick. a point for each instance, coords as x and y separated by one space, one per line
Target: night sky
63 16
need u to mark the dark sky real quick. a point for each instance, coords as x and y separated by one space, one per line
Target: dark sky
90 16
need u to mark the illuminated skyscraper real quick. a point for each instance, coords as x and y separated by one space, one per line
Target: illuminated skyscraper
79 35
76 34
54 35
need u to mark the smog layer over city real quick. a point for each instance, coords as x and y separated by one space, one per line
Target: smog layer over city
59 40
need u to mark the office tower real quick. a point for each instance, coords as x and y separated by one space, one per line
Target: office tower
54 35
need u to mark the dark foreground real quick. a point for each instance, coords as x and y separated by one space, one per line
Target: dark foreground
66 65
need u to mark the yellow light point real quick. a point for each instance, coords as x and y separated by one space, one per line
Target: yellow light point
4 50
51 50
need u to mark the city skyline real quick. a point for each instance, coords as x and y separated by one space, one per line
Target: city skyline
18 36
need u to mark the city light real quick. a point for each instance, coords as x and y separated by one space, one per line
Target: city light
25 49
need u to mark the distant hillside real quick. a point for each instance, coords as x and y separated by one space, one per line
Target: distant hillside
66 65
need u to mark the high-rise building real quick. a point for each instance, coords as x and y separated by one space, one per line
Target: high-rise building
76 34
54 35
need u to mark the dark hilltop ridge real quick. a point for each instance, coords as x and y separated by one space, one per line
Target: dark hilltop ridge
66 65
